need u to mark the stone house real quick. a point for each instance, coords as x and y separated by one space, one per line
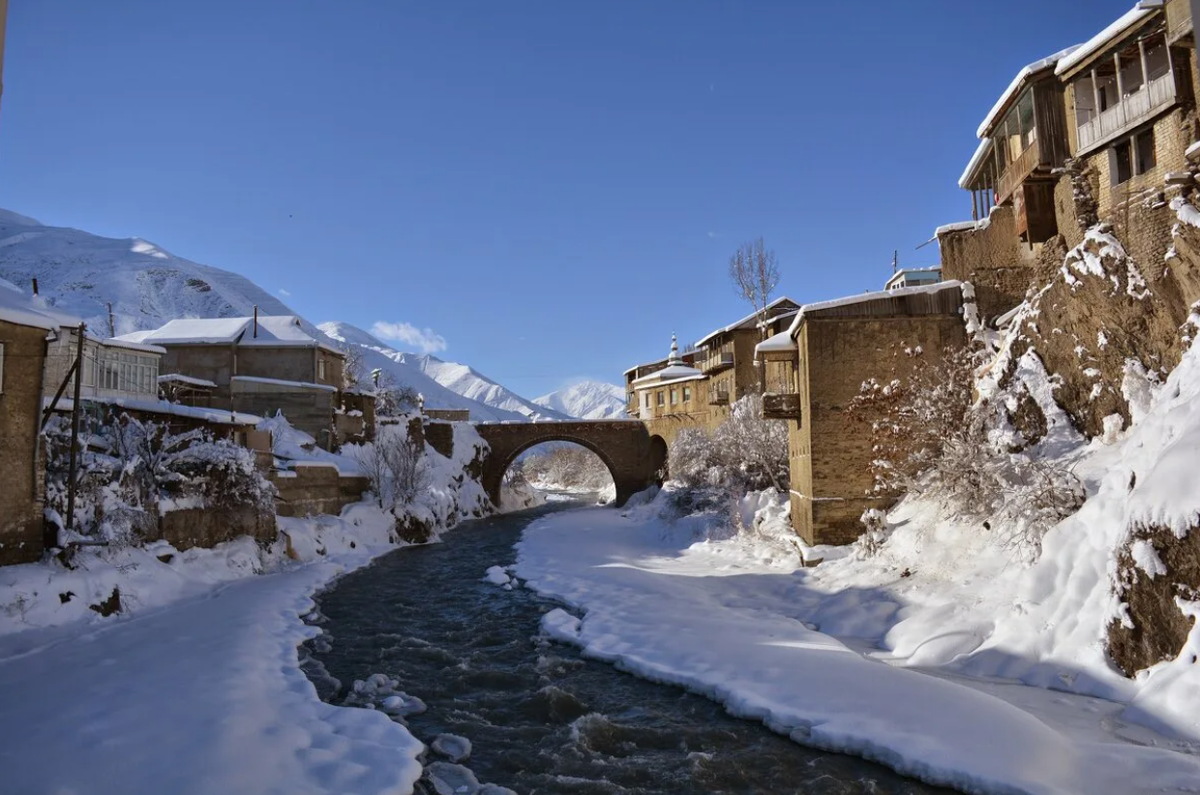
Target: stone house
726 356
1012 179
1130 99
670 398
1128 103
257 365
817 366
25 327
114 370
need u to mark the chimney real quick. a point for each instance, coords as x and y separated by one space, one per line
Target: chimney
256 321
112 327
895 261
35 292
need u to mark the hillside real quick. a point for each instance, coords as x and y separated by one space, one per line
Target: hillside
444 384
588 400
80 273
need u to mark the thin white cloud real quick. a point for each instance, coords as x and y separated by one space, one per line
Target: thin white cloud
284 293
712 235
426 340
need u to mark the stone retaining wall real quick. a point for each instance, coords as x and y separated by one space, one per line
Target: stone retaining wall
312 488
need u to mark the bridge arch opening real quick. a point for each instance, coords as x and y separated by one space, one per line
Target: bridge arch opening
659 458
561 465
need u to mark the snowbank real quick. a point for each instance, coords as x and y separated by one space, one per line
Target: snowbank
736 619
202 696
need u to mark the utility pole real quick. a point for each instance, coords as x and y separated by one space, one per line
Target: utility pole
895 261
73 462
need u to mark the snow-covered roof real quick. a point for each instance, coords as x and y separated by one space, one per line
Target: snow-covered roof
273 330
778 343
1096 43
16 307
216 416
864 297
113 342
1017 82
981 153
744 322
650 382
179 378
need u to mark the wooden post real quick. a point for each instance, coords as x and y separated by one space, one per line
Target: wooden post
1145 68
1096 93
974 205
1120 82
73 461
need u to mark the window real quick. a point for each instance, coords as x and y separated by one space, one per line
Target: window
1143 146
659 398
1119 164
646 399
1028 131
687 394
321 369
124 371
674 396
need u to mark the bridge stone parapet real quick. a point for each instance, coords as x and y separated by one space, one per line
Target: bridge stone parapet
634 458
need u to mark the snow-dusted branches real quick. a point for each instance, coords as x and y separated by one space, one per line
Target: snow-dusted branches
755 274
395 466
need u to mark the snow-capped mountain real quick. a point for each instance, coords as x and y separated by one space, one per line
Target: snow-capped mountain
588 400
80 273
444 384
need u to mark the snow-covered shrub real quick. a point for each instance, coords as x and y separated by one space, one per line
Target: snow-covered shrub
929 436
913 412
129 472
395 466
875 525
568 467
393 399
745 453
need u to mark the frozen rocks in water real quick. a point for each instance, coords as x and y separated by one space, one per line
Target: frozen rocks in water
495 789
448 779
380 690
402 704
496 575
375 685
453 747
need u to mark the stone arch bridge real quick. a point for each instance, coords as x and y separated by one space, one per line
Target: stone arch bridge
635 459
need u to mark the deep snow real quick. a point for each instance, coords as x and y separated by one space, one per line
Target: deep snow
735 617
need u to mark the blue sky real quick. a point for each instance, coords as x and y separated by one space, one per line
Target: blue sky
551 188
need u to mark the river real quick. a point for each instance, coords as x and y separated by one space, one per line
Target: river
542 719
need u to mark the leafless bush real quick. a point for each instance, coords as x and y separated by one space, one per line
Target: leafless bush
128 470
875 525
928 436
567 466
393 399
745 453
395 466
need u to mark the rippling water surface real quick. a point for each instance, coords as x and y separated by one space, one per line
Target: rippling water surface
540 718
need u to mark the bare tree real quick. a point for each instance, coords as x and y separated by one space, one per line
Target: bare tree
354 370
755 274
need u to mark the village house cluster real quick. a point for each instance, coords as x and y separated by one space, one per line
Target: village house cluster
221 374
1101 131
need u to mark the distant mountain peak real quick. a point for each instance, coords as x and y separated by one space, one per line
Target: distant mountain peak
587 399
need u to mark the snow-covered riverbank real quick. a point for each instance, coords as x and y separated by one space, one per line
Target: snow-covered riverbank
199 689
725 616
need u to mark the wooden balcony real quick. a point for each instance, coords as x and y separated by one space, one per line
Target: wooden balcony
781 406
1018 171
1134 109
718 397
718 362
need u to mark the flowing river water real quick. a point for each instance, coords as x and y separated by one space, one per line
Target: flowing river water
541 718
